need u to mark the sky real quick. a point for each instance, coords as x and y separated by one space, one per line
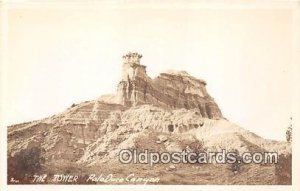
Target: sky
58 55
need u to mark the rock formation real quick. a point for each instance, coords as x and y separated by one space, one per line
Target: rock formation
169 113
171 89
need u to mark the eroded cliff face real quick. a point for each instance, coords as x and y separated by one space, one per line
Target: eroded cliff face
170 113
159 100
171 89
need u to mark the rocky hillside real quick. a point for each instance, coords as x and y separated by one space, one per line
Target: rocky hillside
172 112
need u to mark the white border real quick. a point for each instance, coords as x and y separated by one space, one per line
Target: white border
55 4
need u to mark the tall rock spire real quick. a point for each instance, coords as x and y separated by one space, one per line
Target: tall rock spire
171 89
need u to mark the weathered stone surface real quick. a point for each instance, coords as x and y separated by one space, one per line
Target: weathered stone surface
172 89
174 102
169 113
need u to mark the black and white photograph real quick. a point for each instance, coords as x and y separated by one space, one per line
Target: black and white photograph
196 94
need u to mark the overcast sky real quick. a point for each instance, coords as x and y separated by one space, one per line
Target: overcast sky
59 55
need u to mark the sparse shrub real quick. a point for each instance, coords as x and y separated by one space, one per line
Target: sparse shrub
288 133
25 164
283 169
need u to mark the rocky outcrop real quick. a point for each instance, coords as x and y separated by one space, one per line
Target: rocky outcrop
170 89
179 102
170 113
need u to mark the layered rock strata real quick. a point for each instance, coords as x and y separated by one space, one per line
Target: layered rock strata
171 89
